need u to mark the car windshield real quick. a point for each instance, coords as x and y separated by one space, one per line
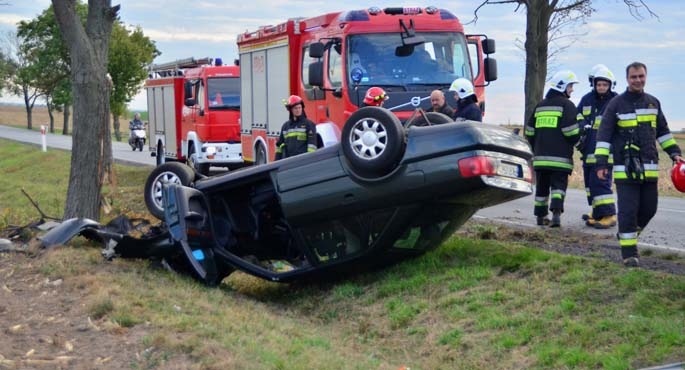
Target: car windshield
440 60
223 92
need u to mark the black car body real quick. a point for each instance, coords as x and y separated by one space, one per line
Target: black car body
384 193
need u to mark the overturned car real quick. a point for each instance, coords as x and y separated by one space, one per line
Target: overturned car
384 193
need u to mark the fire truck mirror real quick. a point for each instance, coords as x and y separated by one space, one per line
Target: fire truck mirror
190 102
188 90
316 74
316 50
404 50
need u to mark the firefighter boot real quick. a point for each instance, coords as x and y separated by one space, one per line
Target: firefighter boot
605 222
556 218
543 221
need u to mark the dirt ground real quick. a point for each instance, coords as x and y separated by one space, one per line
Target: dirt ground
44 324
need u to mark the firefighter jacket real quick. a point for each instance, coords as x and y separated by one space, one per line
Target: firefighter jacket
445 109
590 110
297 136
632 124
552 131
468 109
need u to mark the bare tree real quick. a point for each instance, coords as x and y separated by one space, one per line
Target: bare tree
92 145
546 23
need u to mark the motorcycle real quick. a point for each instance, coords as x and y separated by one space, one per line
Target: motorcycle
137 137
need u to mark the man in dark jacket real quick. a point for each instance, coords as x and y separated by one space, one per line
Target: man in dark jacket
632 124
298 134
552 131
600 196
467 102
438 104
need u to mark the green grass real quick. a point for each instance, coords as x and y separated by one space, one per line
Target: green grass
470 304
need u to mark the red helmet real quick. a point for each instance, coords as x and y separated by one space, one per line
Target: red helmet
678 176
292 101
375 96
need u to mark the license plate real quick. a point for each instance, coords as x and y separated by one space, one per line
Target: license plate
509 170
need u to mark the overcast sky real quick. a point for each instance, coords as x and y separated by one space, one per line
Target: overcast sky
613 37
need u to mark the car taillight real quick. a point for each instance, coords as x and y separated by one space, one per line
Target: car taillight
476 166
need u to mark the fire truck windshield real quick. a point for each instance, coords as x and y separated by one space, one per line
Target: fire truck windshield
371 60
223 93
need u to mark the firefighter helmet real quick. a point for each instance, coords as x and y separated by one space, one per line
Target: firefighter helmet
463 87
678 176
603 73
591 75
292 101
375 96
562 79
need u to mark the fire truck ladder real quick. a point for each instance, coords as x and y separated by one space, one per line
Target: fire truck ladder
176 67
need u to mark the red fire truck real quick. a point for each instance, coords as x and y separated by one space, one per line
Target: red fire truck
194 112
332 59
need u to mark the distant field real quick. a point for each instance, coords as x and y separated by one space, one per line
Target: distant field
15 115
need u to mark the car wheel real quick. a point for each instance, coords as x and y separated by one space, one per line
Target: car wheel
260 154
431 118
373 141
167 173
201 168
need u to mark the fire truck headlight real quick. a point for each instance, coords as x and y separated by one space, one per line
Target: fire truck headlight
211 150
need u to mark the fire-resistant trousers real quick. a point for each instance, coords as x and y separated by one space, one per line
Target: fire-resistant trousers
599 194
546 183
637 204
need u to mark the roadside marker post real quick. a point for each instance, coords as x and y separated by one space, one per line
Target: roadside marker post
43 138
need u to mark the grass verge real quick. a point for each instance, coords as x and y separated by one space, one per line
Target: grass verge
471 304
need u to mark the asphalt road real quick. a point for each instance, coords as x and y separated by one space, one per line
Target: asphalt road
665 232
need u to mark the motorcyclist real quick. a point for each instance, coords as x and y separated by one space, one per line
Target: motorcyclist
135 124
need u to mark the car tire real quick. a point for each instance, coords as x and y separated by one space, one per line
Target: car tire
373 141
431 118
170 172
260 154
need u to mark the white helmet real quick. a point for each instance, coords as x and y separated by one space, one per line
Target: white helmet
595 68
462 87
603 73
562 79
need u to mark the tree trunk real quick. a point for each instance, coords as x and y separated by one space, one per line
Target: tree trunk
117 126
51 110
28 104
537 29
65 130
91 148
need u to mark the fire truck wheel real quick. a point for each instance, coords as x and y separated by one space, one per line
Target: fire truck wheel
170 172
373 141
260 156
431 118
201 168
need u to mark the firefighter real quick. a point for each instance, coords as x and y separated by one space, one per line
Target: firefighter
552 131
631 125
467 102
298 134
375 97
599 194
438 104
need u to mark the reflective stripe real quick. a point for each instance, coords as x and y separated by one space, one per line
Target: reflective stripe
311 148
547 117
541 202
598 121
580 117
587 109
558 194
666 141
603 145
552 159
552 164
627 239
571 130
601 200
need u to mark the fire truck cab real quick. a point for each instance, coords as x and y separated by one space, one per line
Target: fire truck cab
332 59
194 112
